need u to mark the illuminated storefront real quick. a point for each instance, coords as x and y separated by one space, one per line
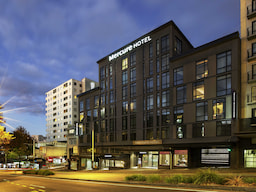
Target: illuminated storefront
180 158
250 158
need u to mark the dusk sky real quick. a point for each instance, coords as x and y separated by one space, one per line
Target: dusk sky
44 43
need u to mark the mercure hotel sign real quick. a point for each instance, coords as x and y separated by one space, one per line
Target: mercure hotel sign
129 48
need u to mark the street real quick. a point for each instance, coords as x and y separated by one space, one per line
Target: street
14 183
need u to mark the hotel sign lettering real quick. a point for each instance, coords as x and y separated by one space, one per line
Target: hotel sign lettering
129 48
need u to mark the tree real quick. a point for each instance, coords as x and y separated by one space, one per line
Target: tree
5 137
22 144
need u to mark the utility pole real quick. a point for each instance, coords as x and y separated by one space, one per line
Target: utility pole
92 147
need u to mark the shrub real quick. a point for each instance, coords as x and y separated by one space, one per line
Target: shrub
174 179
249 180
38 172
153 178
135 178
235 181
208 176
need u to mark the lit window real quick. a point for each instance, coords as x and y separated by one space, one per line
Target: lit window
218 106
125 63
198 90
201 69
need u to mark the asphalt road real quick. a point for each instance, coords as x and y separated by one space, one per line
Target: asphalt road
14 183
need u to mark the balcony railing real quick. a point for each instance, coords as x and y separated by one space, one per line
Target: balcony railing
251 55
251 76
251 33
251 11
248 124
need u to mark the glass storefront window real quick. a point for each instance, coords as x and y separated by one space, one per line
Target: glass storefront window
164 158
180 158
250 158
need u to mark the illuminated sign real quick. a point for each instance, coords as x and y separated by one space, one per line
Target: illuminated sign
129 48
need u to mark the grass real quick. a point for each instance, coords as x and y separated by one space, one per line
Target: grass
38 172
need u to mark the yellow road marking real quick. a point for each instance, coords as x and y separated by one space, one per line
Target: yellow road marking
34 191
31 188
24 185
12 183
41 190
17 184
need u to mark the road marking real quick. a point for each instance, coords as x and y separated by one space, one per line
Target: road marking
38 186
17 184
24 185
134 185
31 188
41 190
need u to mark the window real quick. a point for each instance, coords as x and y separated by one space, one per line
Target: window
165 117
150 102
133 136
133 121
133 90
224 85
125 63
253 94
110 83
254 113
253 49
124 92
202 69
111 97
181 95
178 76
124 123
165 44
198 90
149 134
150 50
125 107
218 106
133 74
150 119
95 114
158 100
224 62
102 72
149 85
81 106
124 77
133 105
165 80
202 111
124 136
157 47
133 59
110 69
96 101
198 130
180 131
178 114
166 98
177 45
151 69
223 128
102 84
165 62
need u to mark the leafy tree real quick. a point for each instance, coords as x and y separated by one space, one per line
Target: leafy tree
22 144
5 137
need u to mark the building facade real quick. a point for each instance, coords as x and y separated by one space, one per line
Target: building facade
62 107
247 129
161 103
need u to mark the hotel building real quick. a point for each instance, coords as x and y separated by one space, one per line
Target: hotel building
62 107
162 103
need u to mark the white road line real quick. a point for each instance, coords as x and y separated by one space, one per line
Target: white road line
38 186
131 185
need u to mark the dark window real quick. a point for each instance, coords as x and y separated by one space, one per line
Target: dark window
165 80
166 98
150 102
133 121
102 73
202 69
124 123
198 130
165 117
133 90
177 46
87 104
133 136
224 85
151 67
223 128
110 83
133 74
96 101
150 119
124 136
165 44
125 107
202 111
149 134
224 62
181 95
150 85
165 62
124 77
124 92
157 82
178 76
150 50
133 59
157 47
111 97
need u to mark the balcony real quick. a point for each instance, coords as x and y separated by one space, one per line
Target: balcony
251 11
251 54
251 76
251 33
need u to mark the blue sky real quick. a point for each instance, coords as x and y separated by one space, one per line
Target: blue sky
44 43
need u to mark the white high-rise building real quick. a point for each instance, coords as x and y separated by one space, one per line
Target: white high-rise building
62 107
